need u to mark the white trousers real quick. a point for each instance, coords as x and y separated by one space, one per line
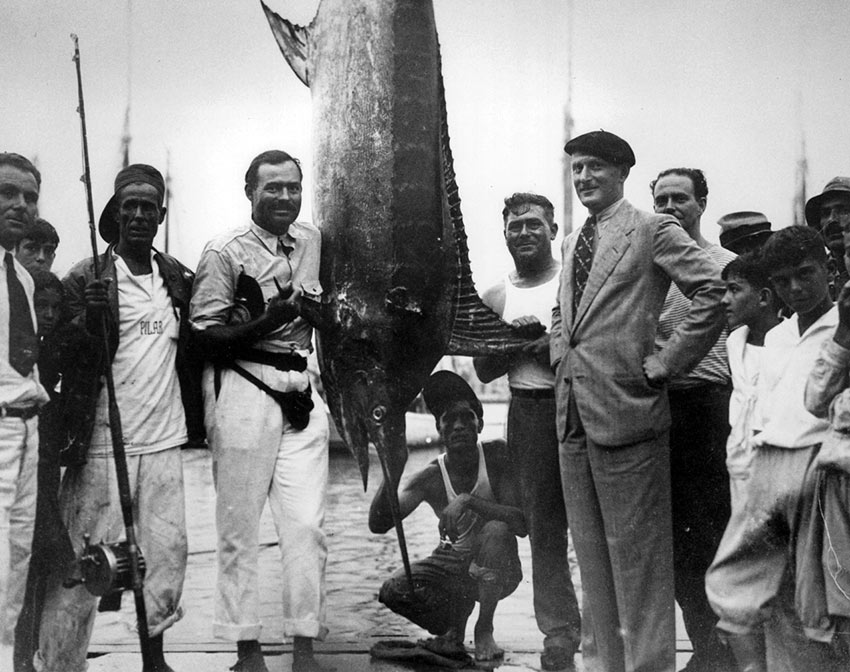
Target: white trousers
90 505
259 456
18 486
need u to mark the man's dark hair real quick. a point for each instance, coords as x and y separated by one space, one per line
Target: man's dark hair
21 163
695 175
275 157
41 231
792 246
514 205
44 280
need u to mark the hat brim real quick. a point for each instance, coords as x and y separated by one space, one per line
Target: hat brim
740 242
445 387
107 225
813 205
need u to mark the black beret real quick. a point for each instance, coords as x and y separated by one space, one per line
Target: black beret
603 144
446 387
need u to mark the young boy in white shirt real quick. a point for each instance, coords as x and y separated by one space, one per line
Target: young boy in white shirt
757 563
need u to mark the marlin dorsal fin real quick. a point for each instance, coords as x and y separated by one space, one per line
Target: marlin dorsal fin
292 40
476 330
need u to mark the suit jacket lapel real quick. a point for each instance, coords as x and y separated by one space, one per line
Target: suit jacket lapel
611 249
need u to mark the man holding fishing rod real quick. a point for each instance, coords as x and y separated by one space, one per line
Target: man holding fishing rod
144 295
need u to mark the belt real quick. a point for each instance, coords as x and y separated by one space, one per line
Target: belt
538 393
22 413
283 361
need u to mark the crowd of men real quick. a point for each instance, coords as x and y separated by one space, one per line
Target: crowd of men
683 407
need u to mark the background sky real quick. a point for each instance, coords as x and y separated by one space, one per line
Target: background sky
729 86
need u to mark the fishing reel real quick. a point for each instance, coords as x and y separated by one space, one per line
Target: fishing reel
105 569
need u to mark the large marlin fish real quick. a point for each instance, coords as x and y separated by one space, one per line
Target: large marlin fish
395 267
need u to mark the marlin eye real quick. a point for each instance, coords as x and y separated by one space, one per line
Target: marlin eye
379 413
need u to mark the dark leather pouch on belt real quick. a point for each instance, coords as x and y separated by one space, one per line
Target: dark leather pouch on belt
295 406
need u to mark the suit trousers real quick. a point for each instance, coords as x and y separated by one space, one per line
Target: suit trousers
533 450
18 463
259 456
618 505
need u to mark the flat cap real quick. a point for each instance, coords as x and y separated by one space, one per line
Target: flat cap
836 186
742 231
603 144
446 387
133 174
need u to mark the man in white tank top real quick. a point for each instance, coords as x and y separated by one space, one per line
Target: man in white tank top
472 490
525 299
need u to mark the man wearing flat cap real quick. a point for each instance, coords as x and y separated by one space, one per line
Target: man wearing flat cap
144 295
613 414
829 213
743 231
472 490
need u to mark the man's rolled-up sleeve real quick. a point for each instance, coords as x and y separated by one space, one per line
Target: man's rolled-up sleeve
826 392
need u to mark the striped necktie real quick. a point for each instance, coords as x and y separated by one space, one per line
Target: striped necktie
23 344
583 260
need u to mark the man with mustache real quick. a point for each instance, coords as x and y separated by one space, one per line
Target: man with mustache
143 296
829 213
20 395
268 429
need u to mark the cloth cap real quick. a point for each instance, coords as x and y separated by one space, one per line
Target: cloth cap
603 144
742 230
444 388
837 185
136 173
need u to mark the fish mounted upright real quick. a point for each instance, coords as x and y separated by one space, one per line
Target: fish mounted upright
395 266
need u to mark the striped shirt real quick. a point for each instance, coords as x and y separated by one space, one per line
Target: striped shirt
714 367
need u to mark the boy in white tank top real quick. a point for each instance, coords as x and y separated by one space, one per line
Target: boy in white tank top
475 497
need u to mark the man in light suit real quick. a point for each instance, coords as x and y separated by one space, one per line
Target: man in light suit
613 416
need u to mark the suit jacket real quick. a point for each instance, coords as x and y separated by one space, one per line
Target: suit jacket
598 353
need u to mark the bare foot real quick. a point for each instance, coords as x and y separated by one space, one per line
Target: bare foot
444 645
486 647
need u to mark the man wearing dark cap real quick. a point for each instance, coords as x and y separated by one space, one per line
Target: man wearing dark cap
699 410
20 395
613 416
144 296
474 494
829 213
743 231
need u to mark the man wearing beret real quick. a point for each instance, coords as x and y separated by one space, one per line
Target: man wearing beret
144 296
21 394
473 491
829 213
699 410
613 415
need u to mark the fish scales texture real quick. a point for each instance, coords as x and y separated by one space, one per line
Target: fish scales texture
395 265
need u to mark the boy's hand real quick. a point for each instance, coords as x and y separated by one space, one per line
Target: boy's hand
842 333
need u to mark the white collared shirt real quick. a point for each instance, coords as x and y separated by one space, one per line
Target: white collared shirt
15 389
787 360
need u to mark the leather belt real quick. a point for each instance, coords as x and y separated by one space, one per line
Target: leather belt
283 361
22 413
538 393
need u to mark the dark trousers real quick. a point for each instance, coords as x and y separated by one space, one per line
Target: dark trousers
701 503
533 448
446 582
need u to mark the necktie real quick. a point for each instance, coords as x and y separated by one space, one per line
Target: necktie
23 345
583 260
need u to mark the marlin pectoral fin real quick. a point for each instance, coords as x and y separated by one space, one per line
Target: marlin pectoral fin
292 40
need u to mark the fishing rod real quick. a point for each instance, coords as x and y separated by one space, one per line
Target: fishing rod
109 569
